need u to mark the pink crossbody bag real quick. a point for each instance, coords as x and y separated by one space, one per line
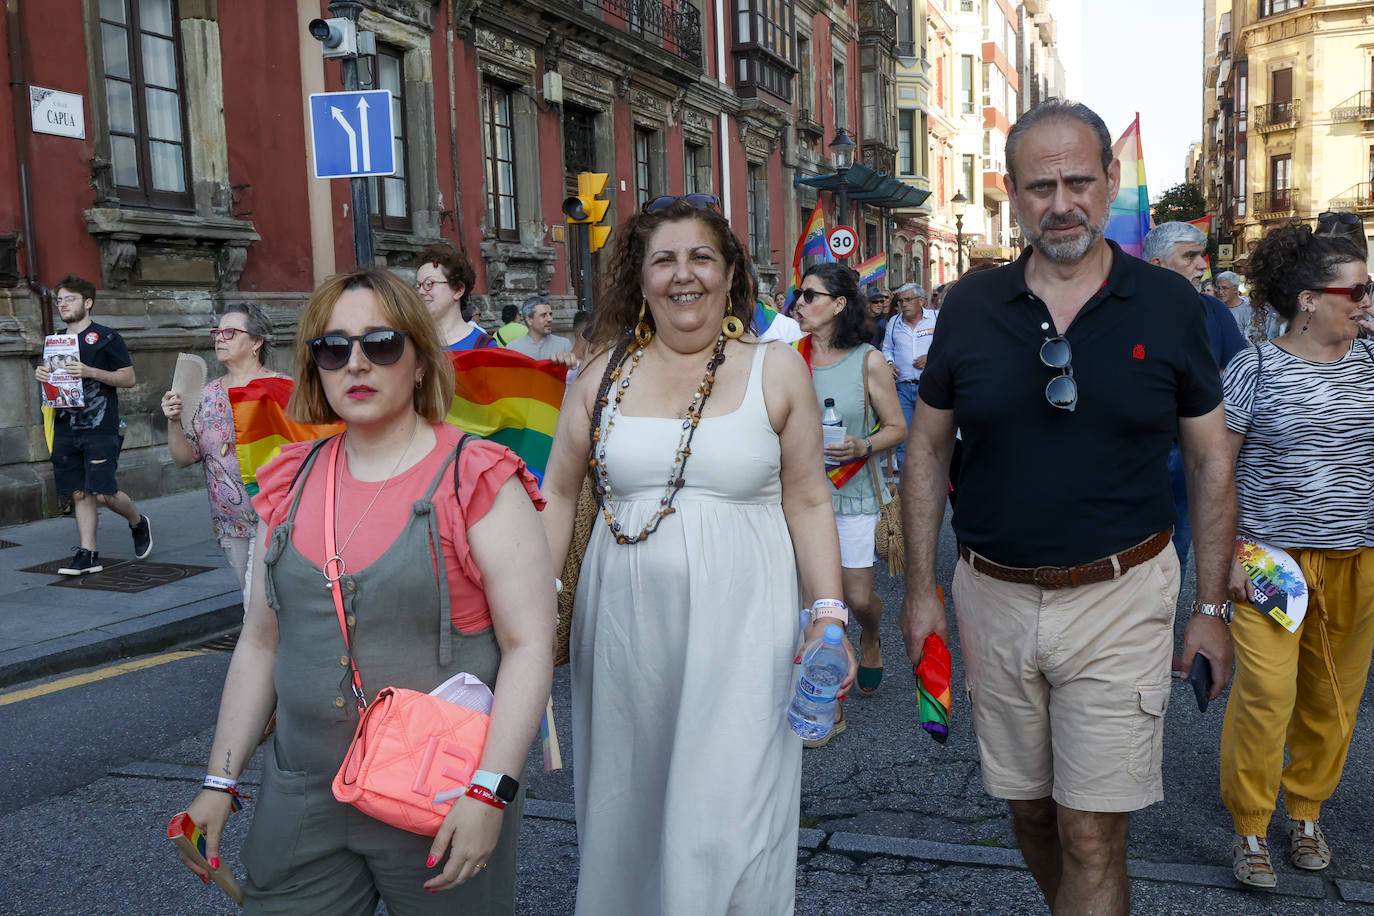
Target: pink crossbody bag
412 754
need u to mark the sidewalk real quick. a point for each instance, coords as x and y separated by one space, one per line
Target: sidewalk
51 623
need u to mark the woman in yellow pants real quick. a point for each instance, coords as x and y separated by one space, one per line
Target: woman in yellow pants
1298 408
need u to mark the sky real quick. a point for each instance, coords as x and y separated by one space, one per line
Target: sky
1124 56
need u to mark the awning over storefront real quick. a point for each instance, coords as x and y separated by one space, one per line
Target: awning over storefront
863 185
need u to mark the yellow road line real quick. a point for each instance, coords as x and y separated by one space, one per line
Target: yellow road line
90 677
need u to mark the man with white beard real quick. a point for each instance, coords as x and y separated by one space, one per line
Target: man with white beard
1069 373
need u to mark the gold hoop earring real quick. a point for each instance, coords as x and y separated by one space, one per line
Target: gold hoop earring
732 327
643 333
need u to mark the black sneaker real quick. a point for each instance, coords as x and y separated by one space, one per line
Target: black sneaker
83 563
143 537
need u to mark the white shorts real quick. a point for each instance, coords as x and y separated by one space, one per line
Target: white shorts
856 540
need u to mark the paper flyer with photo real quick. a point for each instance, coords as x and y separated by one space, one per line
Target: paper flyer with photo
62 389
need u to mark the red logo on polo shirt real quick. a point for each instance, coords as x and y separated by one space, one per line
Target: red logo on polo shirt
91 338
1139 351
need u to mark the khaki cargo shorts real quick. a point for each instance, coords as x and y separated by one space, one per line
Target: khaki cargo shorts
1068 687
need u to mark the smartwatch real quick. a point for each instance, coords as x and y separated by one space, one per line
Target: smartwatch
498 784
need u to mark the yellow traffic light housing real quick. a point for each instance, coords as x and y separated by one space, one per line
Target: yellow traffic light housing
588 207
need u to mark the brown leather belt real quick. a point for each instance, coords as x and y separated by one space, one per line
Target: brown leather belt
1071 576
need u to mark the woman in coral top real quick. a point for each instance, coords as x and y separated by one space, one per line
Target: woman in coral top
368 354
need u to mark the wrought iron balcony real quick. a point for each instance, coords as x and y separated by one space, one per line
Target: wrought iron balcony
1275 204
1277 115
877 19
1359 107
673 25
1358 199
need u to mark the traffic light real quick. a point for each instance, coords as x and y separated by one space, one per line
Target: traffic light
588 207
337 37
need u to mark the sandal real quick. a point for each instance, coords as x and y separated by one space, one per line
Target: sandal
869 678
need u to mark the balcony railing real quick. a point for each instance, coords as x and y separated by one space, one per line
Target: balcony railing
674 25
877 19
1277 115
1359 199
1273 204
1359 107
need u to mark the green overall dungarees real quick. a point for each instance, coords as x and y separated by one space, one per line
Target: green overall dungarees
307 852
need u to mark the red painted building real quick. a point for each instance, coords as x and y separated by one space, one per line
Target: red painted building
191 184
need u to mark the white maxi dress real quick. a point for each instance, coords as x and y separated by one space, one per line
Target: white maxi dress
687 776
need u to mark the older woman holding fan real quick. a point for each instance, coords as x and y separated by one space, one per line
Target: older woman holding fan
1298 408
416 591
705 447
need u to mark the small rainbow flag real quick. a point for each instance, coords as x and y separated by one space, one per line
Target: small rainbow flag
763 316
1129 218
261 426
933 673
505 396
872 270
811 243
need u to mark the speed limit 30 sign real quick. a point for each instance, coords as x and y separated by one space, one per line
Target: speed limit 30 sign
842 241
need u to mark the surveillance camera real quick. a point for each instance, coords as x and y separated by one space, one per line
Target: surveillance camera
338 37
319 28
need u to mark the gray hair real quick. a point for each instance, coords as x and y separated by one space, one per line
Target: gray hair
1059 109
1227 276
256 322
1160 241
916 288
529 305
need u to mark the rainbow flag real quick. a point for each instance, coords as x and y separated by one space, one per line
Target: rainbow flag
509 398
812 242
933 673
763 316
840 474
1129 218
872 270
261 426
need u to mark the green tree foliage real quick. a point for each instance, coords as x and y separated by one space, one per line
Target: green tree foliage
1181 203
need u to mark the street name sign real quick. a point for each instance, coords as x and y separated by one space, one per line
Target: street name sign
351 133
60 113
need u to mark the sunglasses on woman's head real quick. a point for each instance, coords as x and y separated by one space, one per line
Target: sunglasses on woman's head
382 347
700 201
1337 216
1356 292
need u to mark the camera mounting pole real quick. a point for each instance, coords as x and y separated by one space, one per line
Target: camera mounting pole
363 248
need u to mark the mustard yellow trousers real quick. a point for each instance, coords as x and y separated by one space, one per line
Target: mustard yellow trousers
1305 686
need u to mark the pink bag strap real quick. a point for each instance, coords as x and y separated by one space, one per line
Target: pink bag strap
334 570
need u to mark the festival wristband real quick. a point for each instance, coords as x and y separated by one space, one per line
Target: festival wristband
830 607
219 782
483 794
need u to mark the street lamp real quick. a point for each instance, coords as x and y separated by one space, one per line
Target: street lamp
960 204
842 154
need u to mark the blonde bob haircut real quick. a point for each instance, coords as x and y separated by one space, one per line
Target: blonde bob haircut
403 310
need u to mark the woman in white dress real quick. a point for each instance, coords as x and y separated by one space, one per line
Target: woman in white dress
714 508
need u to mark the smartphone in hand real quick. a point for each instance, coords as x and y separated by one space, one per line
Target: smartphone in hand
1201 679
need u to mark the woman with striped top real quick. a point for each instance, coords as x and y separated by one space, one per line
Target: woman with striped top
1300 410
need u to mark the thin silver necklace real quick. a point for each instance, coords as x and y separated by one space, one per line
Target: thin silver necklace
338 491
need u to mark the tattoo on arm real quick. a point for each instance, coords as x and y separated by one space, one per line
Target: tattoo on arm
226 764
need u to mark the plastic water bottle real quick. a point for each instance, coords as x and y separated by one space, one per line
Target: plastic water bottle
832 429
823 667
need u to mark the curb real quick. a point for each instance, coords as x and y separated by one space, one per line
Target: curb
100 646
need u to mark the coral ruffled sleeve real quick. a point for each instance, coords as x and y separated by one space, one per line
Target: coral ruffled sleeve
274 481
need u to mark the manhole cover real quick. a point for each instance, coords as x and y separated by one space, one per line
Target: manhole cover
225 643
121 575
4 543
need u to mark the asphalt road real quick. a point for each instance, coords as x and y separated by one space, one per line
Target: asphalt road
893 823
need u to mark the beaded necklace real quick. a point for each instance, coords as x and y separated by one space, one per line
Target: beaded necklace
621 381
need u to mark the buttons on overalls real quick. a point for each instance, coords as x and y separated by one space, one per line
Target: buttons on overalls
349 585
343 660
339 702
351 619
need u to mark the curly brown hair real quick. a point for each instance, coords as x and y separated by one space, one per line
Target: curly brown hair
620 293
1291 259
456 269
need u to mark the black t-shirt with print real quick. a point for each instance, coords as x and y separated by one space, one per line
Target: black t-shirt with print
101 348
1043 486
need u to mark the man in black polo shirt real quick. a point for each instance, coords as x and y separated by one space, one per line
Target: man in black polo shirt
85 448
1069 373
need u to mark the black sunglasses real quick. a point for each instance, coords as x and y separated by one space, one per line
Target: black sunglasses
1062 391
1338 216
1356 292
382 347
811 295
700 201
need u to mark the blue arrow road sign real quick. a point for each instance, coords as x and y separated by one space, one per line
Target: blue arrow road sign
351 133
